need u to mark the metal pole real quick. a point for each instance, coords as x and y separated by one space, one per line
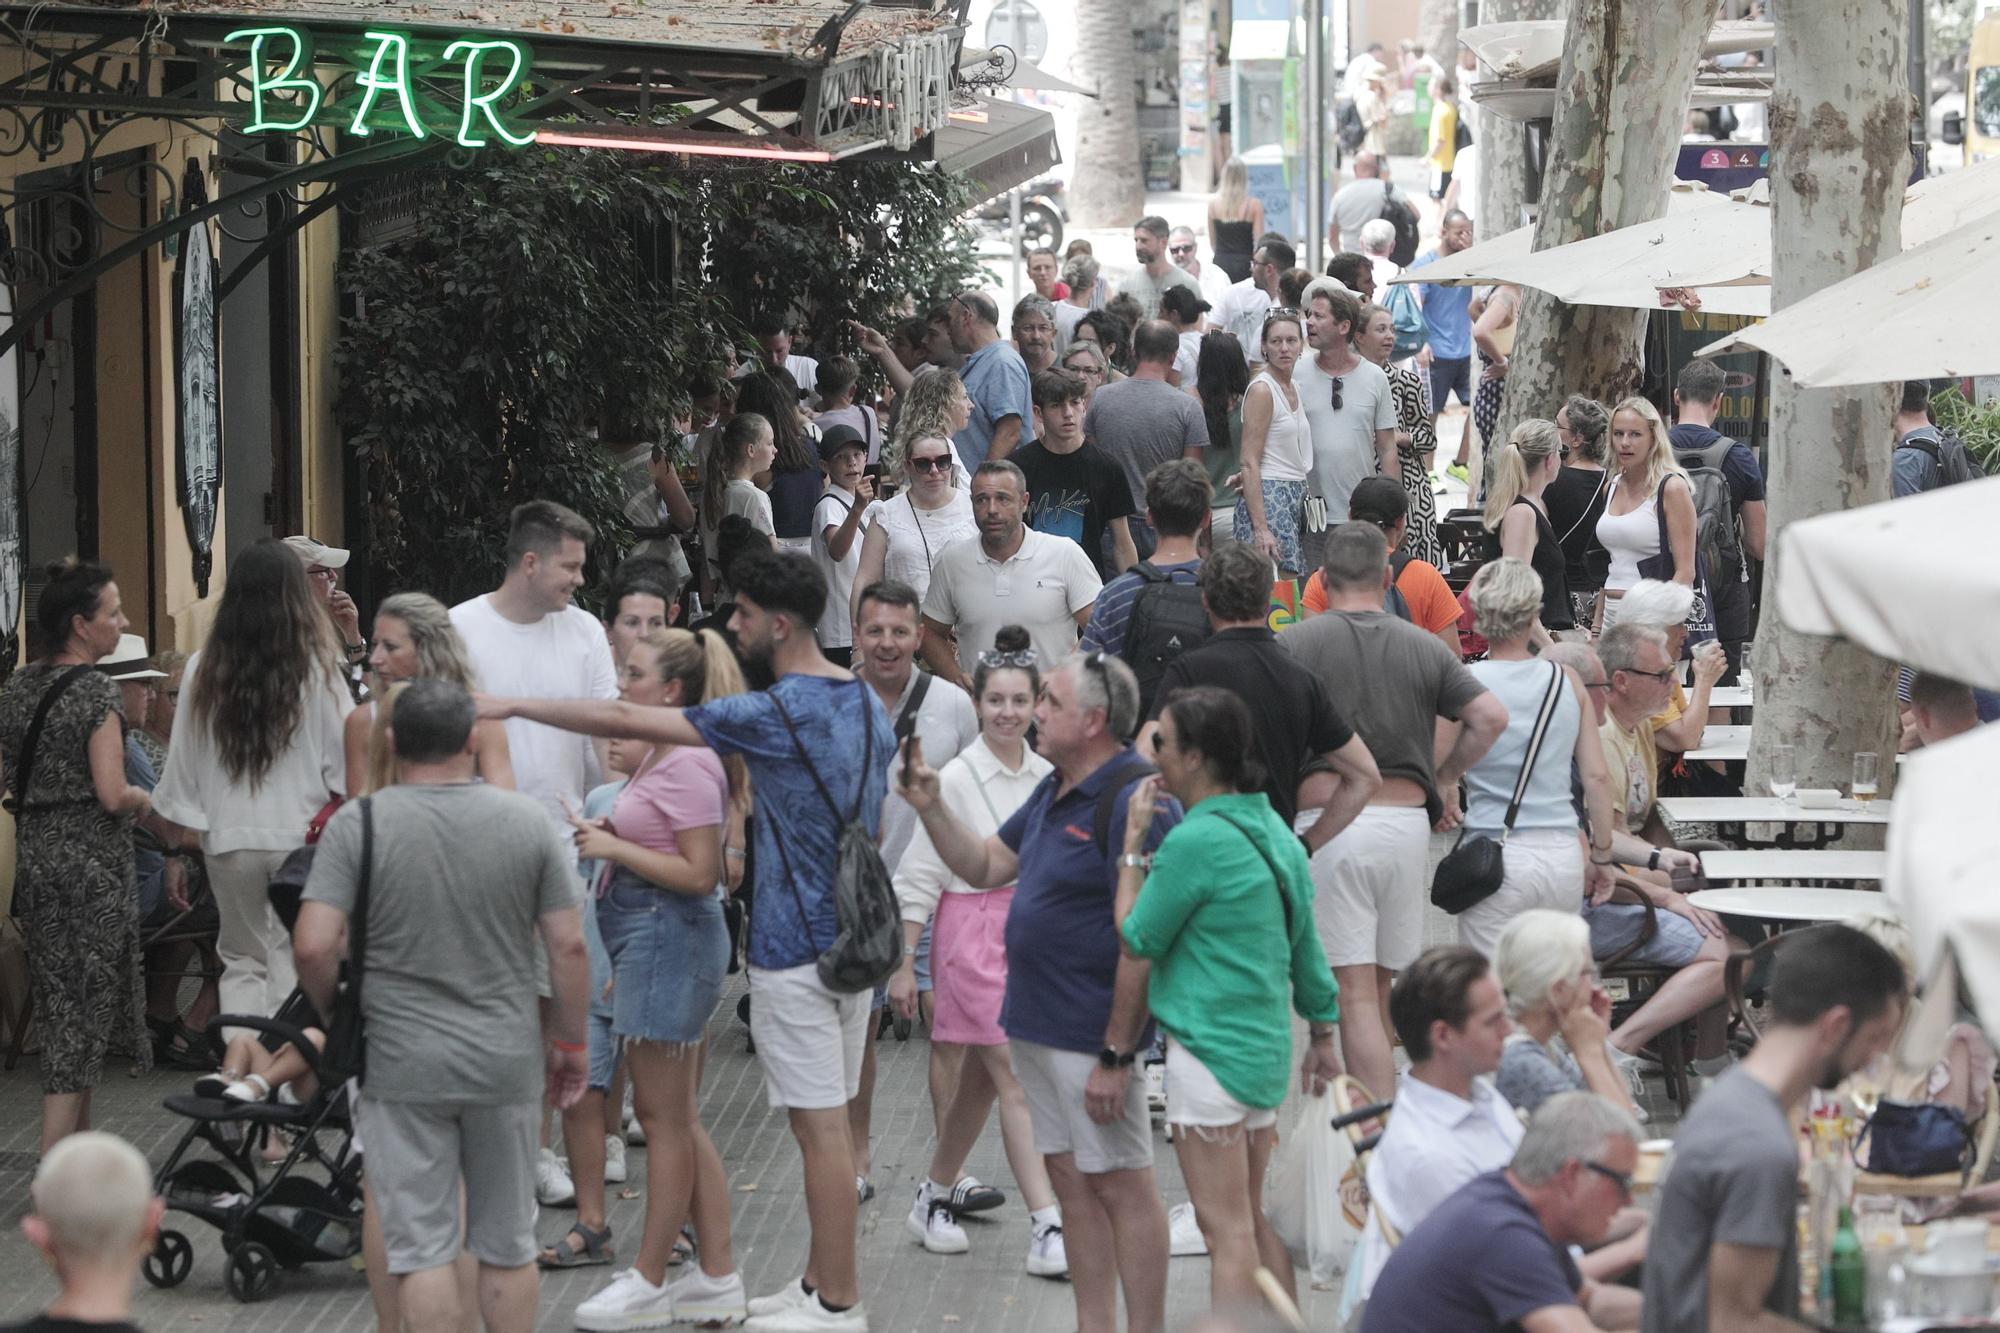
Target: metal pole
1014 8
1315 135
1917 60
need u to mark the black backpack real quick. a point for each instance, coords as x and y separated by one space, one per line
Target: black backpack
1348 127
1717 537
1397 211
1167 620
1954 462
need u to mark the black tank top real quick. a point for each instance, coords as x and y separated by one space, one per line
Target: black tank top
1547 561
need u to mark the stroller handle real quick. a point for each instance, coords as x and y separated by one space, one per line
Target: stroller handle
273 1027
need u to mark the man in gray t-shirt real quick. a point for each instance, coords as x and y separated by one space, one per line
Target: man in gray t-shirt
1724 1246
461 877
1143 421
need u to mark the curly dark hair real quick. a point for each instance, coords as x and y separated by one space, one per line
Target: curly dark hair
272 644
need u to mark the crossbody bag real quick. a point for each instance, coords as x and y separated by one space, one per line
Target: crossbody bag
1473 869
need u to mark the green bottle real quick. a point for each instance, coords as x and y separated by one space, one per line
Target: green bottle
1850 1274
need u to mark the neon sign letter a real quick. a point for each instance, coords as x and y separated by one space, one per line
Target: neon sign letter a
482 104
391 49
287 79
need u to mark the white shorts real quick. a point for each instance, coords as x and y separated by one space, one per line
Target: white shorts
1544 869
809 1039
1054 1081
1368 886
1196 1100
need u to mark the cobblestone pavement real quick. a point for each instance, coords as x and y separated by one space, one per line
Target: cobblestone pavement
905 1288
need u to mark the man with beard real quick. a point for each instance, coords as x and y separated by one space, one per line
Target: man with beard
1725 1242
1156 271
1035 333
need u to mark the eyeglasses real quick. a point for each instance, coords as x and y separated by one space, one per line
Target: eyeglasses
932 463
321 572
1336 393
1662 676
1180 249
1024 659
1600 685
1618 1178
1094 371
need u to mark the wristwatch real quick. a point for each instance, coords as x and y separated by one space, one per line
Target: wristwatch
1136 860
1653 861
1110 1058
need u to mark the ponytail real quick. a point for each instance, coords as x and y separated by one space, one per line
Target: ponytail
381 748
707 669
1533 442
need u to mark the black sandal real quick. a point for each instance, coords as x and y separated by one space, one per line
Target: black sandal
595 1249
179 1046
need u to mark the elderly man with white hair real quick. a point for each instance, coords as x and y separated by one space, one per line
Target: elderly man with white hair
1378 238
94 1220
1664 606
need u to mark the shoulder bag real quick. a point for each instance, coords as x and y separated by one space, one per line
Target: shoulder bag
17 801
1915 1139
1472 870
868 943
345 1054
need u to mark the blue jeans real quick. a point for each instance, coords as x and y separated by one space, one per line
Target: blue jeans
669 953
603 1056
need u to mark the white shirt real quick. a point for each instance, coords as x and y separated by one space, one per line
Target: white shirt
1067 318
917 537
1435 1142
836 625
1343 442
231 815
805 370
983 793
1214 282
1041 587
1188 360
1241 312
561 656
945 724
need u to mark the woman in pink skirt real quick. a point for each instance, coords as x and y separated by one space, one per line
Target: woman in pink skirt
982 786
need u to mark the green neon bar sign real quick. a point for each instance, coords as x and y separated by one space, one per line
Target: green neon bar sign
392 81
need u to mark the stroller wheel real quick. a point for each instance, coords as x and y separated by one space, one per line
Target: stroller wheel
251 1273
170 1261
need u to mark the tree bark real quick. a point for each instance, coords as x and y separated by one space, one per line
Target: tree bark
1621 98
1840 121
1107 188
1437 28
1503 154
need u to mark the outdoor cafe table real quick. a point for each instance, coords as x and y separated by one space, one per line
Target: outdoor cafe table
1786 902
1790 863
1797 825
1729 696
1730 744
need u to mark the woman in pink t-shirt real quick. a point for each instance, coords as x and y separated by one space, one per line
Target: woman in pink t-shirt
660 914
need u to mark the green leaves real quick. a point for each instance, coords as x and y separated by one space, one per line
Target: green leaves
536 290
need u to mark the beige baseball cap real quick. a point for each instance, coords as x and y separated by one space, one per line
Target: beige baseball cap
317 553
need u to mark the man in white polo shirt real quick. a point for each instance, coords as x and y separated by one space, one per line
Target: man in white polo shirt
1008 575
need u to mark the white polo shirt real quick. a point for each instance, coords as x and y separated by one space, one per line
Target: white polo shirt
1435 1142
1040 587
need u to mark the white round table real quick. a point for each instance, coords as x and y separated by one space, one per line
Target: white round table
1784 902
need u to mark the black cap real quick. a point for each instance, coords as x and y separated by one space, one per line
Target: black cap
837 438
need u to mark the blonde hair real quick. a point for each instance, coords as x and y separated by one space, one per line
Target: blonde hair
1232 192
1660 462
1537 950
441 653
925 413
706 669
381 746
93 1191
1533 443
1506 596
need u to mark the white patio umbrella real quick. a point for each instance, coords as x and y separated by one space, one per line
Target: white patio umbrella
1925 314
1912 580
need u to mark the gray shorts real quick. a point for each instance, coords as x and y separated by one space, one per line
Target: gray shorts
418 1153
1615 925
1054 1082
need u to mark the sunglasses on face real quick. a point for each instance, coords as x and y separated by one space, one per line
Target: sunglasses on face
932 463
1180 249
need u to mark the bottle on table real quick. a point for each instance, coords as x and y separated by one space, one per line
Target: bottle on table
1849 1269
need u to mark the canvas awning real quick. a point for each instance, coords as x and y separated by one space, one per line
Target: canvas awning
1532 48
1010 146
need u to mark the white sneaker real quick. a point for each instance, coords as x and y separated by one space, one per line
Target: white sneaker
629 1302
1634 1074
932 1226
635 1133
1156 1088
810 1317
1183 1232
553 1188
788 1297
614 1160
1046 1256
708 1301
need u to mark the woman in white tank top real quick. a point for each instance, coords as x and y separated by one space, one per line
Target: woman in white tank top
1277 451
1645 477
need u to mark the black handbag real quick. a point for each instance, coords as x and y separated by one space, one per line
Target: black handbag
1472 870
1916 1139
345 1054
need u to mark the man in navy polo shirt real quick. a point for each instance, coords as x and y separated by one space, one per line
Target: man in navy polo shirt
1495 1255
1075 1012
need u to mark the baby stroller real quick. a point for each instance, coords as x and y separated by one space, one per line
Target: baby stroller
285 1219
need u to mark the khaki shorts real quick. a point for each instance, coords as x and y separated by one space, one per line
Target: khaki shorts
1054 1081
810 1039
418 1153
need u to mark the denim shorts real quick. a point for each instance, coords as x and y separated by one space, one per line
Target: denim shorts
669 953
597 1027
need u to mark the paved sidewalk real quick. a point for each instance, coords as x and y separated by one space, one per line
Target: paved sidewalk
905 1288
